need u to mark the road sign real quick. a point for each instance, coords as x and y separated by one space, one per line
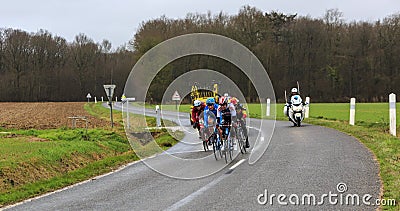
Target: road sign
109 91
88 96
176 96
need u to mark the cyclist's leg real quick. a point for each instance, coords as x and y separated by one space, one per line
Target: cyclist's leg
245 133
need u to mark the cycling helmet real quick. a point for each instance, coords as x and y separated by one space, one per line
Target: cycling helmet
223 101
210 101
226 95
196 103
234 101
294 90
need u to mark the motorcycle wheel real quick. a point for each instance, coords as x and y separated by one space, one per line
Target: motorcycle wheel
298 122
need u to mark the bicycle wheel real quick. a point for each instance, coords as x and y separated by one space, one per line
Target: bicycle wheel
241 141
205 141
214 144
226 148
230 144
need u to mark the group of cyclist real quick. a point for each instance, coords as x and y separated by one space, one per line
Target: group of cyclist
227 113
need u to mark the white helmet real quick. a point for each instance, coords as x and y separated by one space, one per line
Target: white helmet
294 90
196 103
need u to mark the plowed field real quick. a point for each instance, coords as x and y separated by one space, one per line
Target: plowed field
45 115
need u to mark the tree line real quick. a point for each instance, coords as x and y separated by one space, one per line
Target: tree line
332 59
43 67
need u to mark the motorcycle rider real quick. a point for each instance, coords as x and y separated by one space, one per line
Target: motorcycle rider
198 107
294 99
241 116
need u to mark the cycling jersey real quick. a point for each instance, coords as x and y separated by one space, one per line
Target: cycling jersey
196 113
226 115
240 111
208 114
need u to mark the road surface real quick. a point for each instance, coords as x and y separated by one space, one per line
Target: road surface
300 162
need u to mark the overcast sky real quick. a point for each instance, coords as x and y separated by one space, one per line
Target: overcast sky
117 20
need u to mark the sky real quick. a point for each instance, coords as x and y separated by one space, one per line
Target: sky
118 20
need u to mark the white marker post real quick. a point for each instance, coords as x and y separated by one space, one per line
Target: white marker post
352 110
307 113
392 113
95 99
130 99
268 107
102 100
158 116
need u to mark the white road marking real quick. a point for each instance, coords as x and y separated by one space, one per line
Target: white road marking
237 164
74 185
197 193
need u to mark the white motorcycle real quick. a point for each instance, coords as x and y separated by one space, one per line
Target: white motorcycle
295 111
296 114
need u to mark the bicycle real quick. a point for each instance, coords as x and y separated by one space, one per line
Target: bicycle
240 136
228 143
216 143
203 135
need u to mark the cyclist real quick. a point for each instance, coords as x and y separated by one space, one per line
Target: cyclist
198 107
241 116
226 115
210 113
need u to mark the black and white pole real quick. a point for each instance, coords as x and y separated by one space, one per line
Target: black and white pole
307 112
392 113
268 107
352 111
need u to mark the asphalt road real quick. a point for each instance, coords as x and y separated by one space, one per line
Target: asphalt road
299 163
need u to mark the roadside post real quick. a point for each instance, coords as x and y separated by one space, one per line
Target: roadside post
392 113
88 96
176 97
95 99
126 100
102 100
158 116
307 113
268 107
352 110
110 92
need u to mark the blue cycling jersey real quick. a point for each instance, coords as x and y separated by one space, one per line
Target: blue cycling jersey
207 113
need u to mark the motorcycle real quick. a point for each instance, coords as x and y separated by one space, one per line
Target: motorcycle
296 109
296 113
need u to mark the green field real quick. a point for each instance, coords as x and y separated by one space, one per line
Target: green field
365 112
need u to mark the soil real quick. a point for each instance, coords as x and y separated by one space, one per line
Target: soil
46 115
